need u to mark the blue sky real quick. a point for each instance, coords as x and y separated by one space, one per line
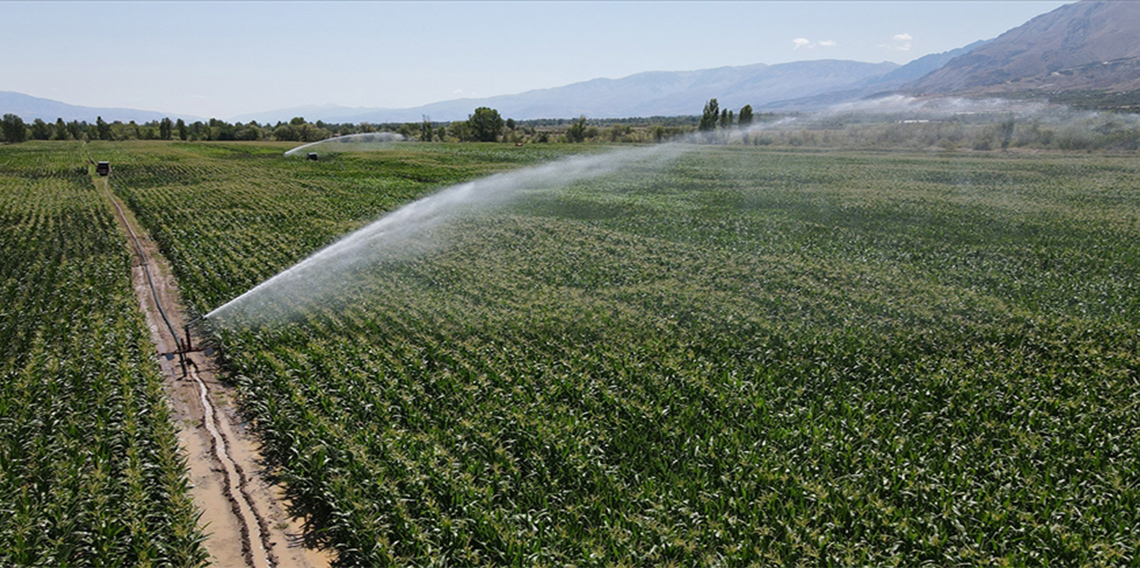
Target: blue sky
223 59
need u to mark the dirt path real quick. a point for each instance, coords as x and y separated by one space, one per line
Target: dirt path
241 511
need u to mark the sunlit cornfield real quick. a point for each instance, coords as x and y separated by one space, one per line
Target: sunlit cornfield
749 356
90 469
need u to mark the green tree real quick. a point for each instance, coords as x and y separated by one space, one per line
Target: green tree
221 130
425 129
460 130
726 117
1005 132
248 132
620 132
286 133
710 116
41 130
408 129
312 133
165 129
77 129
577 131
181 126
510 124
102 128
60 129
745 119
13 128
485 124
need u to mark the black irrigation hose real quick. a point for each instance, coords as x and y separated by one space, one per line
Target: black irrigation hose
145 264
246 530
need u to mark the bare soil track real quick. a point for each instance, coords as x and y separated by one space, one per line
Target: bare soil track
243 514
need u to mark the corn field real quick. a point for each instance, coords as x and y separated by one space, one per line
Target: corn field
90 469
747 357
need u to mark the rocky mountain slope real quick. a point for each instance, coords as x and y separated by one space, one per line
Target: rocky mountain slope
1087 45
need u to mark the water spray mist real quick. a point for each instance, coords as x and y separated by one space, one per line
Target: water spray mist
355 139
408 230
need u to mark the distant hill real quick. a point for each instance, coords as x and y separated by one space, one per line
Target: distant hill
1091 46
888 82
30 108
926 64
657 93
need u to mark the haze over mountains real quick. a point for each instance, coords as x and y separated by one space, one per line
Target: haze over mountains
801 85
1088 46
657 93
29 108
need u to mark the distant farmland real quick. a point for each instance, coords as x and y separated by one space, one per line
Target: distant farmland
750 356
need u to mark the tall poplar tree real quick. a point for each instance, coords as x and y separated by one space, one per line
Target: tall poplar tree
710 116
745 118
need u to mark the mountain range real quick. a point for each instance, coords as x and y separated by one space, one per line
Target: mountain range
1087 45
1084 47
657 93
30 108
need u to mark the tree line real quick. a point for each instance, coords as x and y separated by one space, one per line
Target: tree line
484 125
713 125
13 129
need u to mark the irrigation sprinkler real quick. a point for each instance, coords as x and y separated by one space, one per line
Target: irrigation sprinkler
104 168
186 347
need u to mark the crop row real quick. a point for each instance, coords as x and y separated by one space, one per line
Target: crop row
90 469
283 208
744 357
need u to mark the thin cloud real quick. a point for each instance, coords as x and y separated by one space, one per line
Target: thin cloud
805 43
900 42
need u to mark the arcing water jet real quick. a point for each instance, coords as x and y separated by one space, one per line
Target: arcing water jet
357 141
408 229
